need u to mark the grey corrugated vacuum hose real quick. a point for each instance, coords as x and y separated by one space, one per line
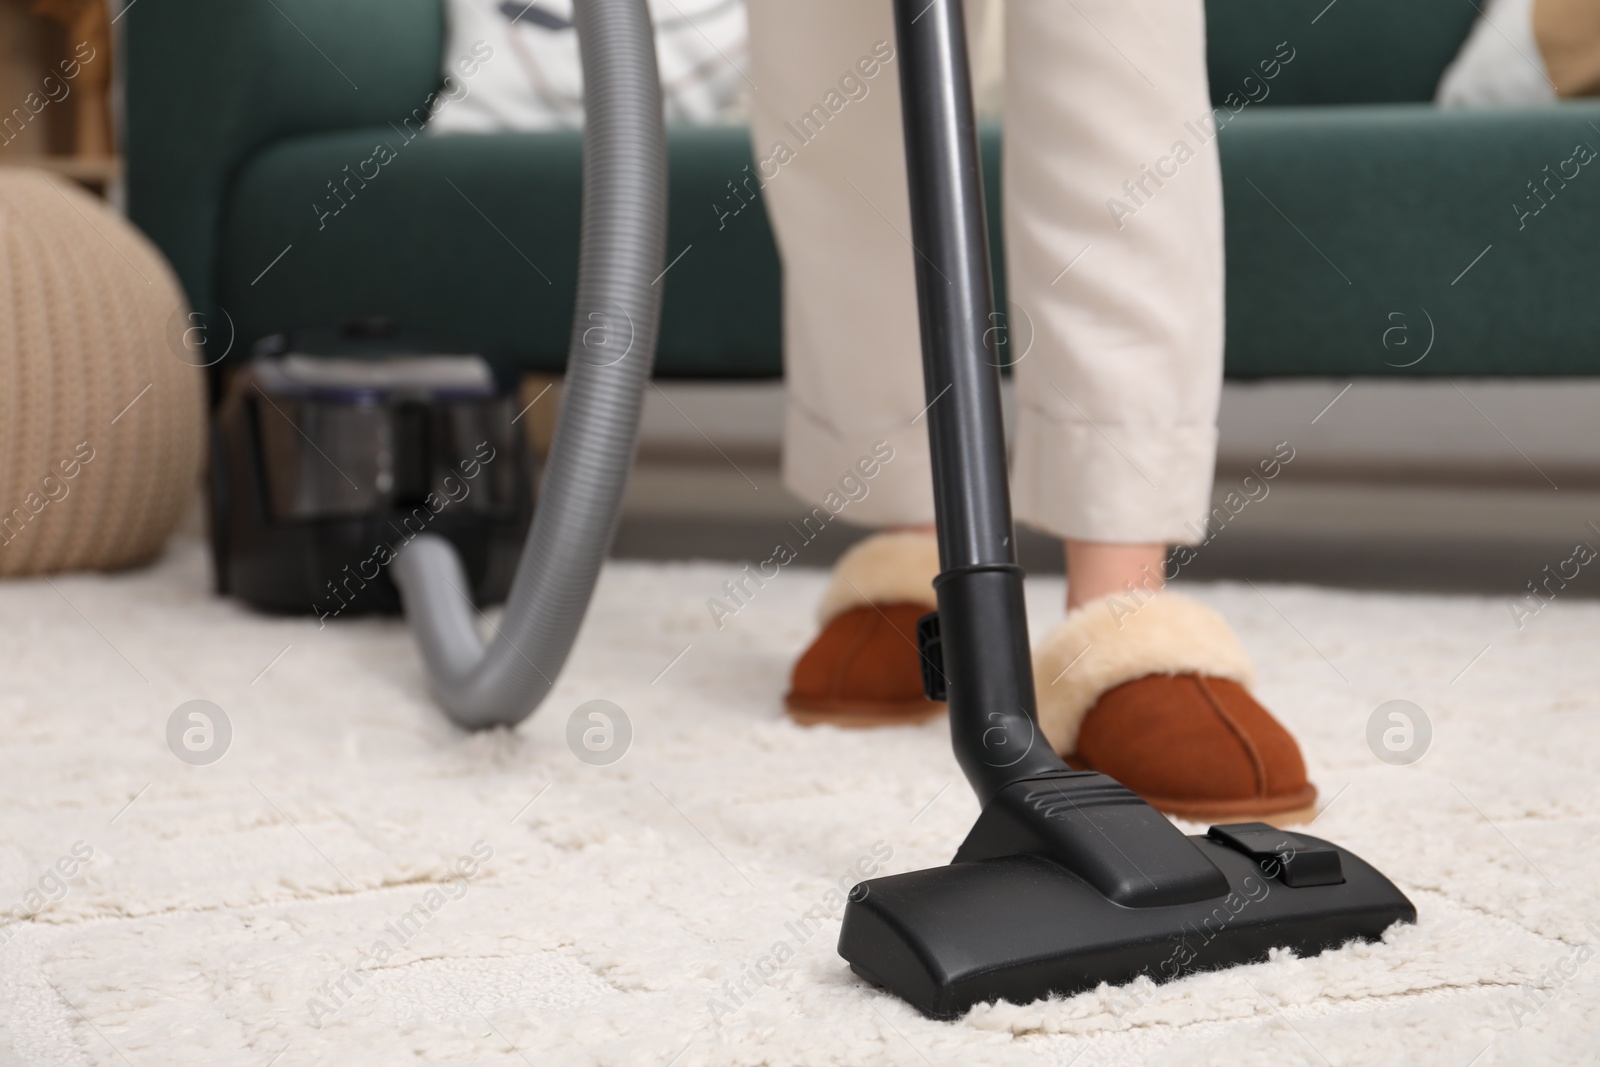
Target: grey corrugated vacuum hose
608 368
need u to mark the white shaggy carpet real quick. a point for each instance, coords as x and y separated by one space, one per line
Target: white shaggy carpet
221 904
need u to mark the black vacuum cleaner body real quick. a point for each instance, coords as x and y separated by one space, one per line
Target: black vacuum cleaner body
324 468
1068 879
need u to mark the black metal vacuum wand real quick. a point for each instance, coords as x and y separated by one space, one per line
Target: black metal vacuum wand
982 623
1067 879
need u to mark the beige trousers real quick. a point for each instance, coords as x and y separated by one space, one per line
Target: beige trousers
1114 255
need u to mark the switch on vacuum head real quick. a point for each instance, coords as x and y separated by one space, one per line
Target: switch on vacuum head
1293 861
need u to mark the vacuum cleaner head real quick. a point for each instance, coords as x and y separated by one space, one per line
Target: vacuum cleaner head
1071 880
323 468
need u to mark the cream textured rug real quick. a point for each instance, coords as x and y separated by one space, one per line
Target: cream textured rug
356 882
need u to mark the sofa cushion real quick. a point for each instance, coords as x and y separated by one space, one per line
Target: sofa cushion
1500 64
529 75
472 241
1340 218
1348 231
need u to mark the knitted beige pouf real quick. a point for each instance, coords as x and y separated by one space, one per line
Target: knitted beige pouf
101 422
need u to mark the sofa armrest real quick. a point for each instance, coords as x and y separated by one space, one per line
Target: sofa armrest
208 82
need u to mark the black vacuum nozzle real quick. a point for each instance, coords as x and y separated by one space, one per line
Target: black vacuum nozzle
1111 891
1068 879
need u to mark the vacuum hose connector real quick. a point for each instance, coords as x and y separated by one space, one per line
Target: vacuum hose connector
609 360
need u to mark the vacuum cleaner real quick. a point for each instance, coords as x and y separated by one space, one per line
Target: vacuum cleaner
331 451
1067 879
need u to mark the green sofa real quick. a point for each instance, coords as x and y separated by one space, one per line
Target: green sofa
1353 205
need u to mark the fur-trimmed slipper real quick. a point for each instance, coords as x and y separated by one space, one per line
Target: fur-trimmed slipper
863 669
1154 694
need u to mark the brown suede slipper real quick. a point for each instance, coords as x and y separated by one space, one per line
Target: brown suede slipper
1154 694
863 668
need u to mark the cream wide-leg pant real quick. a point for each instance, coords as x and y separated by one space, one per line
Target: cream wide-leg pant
1114 255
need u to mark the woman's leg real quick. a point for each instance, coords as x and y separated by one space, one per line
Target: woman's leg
1114 253
1114 227
827 137
1097 569
825 129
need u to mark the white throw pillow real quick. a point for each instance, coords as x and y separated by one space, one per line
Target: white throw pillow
513 65
1499 65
